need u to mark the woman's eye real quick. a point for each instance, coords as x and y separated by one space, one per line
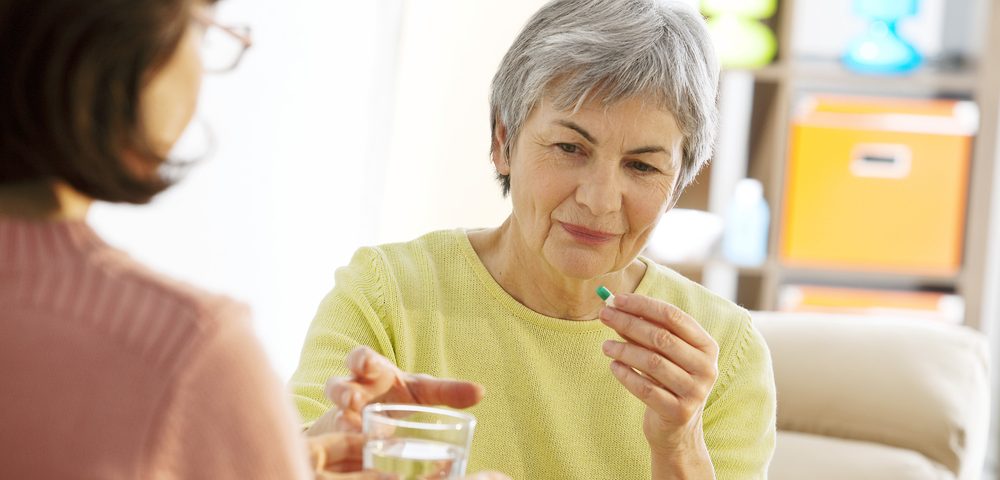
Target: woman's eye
642 167
568 148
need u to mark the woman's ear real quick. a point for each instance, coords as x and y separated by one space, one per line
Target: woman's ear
498 150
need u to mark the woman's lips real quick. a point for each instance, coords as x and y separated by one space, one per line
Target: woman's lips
586 235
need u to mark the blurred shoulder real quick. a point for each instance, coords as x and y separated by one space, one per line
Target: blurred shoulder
154 315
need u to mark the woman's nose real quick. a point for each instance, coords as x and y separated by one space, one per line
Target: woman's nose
600 192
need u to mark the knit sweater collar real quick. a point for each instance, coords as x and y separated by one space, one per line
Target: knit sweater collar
38 241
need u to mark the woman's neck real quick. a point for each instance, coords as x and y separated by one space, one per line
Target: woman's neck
533 282
43 200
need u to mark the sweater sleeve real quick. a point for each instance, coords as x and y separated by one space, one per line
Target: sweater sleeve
351 315
740 421
226 415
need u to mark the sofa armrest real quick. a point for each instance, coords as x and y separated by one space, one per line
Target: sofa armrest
901 382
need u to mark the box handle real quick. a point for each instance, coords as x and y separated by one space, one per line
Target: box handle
881 160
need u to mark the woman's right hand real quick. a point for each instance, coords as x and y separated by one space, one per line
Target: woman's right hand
375 379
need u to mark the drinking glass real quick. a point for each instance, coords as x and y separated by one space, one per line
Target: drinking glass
414 442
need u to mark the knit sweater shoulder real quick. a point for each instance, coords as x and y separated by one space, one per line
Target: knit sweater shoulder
552 408
113 371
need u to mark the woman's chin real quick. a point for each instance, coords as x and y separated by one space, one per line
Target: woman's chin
583 265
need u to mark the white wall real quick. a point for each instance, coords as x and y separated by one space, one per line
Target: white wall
439 172
347 124
280 205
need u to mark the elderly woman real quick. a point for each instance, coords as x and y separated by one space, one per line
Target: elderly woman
602 112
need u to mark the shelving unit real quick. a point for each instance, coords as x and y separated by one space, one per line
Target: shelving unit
764 113
825 73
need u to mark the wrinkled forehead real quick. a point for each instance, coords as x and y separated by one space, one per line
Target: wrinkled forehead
566 94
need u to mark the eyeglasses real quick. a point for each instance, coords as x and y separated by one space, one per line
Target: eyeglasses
222 46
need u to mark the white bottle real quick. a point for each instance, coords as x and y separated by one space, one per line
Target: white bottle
744 242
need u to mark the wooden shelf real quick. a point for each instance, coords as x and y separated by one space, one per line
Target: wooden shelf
865 278
843 276
830 74
927 78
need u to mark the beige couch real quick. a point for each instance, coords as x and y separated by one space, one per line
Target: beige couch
877 398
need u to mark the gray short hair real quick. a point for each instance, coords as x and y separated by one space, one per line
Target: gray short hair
571 50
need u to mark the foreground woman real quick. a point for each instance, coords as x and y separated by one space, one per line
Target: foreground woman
109 370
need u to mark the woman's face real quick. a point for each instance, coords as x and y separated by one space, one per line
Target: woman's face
588 187
170 98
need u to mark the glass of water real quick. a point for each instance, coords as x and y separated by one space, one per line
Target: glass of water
415 442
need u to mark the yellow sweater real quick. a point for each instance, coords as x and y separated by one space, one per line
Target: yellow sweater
552 408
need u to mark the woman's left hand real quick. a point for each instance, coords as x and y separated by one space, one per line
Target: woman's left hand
337 456
670 363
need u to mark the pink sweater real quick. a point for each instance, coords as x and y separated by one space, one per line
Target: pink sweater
110 371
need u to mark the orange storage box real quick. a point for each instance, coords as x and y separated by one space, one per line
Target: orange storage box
876 183
904 303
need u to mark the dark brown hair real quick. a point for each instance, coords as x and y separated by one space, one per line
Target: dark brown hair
71 76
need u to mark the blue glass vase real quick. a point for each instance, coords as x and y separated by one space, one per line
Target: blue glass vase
881 49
